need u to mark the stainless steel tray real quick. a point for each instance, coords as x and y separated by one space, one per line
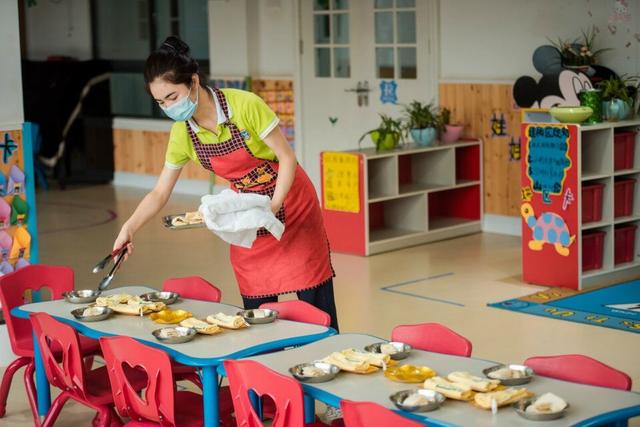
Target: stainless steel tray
527 372
166 297
184 335
104 313
250 316
435 400
81 296
330 372
403 349
166 221
521 408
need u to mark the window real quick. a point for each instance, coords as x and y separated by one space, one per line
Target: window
331 38
395 39
126 31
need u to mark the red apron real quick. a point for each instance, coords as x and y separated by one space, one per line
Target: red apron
301 259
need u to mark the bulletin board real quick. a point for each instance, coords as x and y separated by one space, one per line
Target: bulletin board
18 221
341 182
278 94
549 211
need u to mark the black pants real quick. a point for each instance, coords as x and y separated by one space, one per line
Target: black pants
320 297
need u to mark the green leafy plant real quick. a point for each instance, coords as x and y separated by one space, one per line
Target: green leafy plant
619 87
389 128
580 51
421 116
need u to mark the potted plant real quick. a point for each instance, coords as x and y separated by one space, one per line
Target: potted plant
452 131
387 135
618 97
579 53
422 122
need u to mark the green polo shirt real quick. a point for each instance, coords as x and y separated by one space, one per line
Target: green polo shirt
246 110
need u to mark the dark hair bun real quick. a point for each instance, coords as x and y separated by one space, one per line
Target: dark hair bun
173 44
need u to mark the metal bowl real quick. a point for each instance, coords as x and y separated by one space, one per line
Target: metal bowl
104 312
182 335
526 372
166 297
259 315
435 400
330 372
82 296
402 349
521 408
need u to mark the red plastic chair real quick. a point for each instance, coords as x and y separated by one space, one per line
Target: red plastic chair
193 287
286 393
66 370
299 311
368 414
577 368
12 294
160 404
432 337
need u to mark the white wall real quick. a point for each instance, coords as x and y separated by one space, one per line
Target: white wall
62 27
11 108
494 40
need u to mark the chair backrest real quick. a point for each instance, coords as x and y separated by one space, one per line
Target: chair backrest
33 277
432 337
193 287
580 369
368 414
156 403
299 311
57 340
286 393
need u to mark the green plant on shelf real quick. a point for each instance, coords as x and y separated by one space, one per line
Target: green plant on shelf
422 116
387 135
619 96
579 52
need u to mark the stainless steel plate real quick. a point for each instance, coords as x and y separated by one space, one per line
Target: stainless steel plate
258 315
330 371
182 334
402 349
166 297
435 400
103 313
167 222
521 409
526 373
82 296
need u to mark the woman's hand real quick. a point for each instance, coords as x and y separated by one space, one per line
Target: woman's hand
125 238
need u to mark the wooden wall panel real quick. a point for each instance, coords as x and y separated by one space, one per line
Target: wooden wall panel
143 152
474 105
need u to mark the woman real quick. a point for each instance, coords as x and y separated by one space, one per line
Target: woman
236 135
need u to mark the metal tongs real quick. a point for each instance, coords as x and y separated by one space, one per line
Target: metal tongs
119 253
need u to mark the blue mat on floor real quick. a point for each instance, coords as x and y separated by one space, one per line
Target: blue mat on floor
616 307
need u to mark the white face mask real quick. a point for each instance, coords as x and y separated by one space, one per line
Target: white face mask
183 109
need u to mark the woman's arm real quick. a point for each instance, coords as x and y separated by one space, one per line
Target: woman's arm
287 166
148 208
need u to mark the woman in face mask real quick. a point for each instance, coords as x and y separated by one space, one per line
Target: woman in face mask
236 135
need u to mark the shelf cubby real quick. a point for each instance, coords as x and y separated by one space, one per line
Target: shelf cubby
607 250
399 217
597 153
382 177
455 207
635 208
635 260
607 203
425 171
468 164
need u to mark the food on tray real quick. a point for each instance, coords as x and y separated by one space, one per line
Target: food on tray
227 321
548 403
170 316
409 373
190 218
92 311
201 326
348 364
169 333
111 300
388 349
507 373
416 399
476 383
259 313
449 389
375 359
313 371
502 397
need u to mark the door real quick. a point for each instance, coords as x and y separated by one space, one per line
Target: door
348 48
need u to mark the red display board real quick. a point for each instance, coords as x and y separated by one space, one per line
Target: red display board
549 207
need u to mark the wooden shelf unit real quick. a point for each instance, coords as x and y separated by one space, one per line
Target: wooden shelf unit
409 196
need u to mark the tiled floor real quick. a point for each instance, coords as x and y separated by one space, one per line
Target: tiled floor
453 281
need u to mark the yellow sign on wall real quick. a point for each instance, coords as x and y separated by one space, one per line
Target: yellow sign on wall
340 172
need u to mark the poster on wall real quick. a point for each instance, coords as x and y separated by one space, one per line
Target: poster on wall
549 179
341 175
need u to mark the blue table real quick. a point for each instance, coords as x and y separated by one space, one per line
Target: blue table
589 406
205 352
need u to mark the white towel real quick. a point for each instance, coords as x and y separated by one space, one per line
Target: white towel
236 217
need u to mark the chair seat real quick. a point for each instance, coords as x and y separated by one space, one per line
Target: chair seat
189 412
99 386
24 346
